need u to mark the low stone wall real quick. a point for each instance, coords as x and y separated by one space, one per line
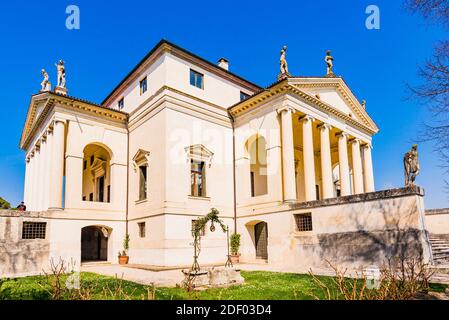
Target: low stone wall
17 256
437 221
353 232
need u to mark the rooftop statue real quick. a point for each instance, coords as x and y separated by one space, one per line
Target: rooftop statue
411 166
61 74
363 104
45 84
284 65
330 64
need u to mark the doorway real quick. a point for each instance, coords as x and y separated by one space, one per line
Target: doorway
94 244
261 240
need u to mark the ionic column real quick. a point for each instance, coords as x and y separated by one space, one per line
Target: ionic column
357 166
57 166
48 169
368 175
288 155
35 182
344 164
309 158
27 178
30 188
326 162
42 173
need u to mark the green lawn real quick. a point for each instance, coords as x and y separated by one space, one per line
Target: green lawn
258 285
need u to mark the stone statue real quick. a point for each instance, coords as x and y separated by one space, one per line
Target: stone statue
411 166
283 62
45 84
330 63
61 73
363 104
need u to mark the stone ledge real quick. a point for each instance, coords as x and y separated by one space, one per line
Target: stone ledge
363 197
432 212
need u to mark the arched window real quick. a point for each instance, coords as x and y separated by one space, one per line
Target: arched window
96 174
257 151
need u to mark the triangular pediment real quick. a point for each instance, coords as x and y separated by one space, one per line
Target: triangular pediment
334 92
199 151
36 108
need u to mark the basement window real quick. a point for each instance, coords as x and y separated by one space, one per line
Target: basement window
303 222
33 230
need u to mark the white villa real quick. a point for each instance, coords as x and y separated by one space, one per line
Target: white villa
288 167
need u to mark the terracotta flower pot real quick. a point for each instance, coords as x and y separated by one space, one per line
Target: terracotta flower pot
235 258
123 259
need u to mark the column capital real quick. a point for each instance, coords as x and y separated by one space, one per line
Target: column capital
354 141
342 134
306 117
367 145
285 108
325 126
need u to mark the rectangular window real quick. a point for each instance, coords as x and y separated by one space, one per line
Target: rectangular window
196 79
303 221
84 165
143 86
143 182
203 229
91 197
34 230
197 174
100 191
317 190
121 103
142 229
243 96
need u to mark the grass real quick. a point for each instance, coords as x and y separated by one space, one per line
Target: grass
258 285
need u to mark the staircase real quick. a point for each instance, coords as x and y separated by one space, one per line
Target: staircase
440 249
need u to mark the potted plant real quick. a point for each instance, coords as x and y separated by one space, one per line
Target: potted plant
123 257
235 247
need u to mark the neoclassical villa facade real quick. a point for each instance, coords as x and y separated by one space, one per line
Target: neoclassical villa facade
289 167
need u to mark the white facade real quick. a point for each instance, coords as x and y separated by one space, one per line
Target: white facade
152 162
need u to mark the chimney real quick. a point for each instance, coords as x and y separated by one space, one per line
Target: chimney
223 63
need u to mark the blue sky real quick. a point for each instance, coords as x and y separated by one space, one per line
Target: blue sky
115 35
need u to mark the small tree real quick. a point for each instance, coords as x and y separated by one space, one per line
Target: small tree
5 205
126 244
235 244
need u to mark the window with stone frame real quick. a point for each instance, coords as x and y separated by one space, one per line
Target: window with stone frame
304 222
141 164
200 158
198 178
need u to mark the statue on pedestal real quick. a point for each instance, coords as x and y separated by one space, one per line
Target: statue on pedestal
411 166
61 87
330 64
45 84
61 74
284 66
363 104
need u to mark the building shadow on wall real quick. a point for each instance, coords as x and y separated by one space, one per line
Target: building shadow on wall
388 232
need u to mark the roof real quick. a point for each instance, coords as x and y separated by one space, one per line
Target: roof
172 45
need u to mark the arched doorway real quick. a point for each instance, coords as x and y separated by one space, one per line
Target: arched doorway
261 240
96 173
94 243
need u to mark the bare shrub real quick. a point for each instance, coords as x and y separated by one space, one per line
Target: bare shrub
401 279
